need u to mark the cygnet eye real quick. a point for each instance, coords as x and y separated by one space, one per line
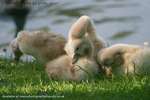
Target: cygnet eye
77 48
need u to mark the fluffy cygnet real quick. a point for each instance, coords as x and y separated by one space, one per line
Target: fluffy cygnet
125 59
44 46
78 64
65 68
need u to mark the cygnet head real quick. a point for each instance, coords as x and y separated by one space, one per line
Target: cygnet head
110 57
79 48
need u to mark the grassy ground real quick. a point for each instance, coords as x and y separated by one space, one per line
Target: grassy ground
30 79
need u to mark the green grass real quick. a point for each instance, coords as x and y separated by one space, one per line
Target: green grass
30 79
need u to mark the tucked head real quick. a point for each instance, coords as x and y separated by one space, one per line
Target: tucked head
79 48
110 57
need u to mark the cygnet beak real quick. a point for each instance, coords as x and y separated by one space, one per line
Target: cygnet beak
75 59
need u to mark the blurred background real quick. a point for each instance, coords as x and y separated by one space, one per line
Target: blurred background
117 21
